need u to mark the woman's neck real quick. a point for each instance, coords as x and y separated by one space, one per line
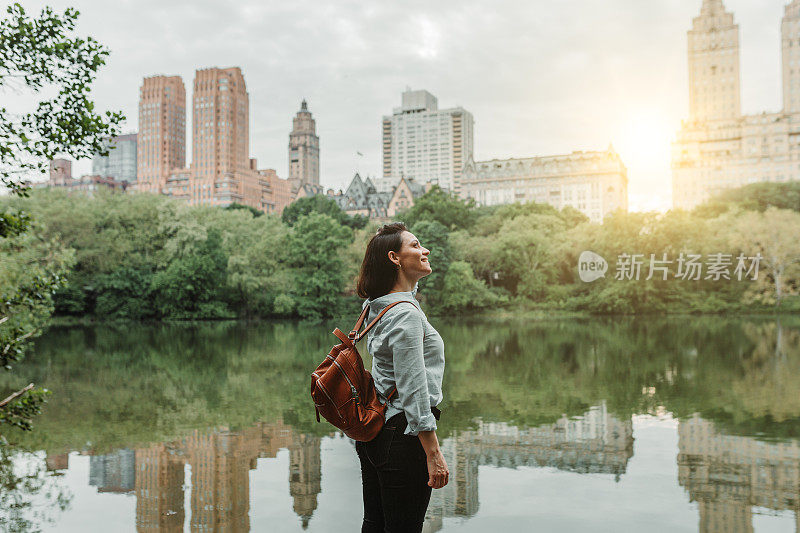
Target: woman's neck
404 284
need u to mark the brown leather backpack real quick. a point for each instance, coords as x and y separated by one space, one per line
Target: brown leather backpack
343 390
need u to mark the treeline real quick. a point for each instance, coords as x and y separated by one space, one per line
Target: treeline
141 256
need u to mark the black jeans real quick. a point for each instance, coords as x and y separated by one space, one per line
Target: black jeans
394 478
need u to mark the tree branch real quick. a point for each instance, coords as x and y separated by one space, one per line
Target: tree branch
15 395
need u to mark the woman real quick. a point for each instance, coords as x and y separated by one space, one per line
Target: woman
403 463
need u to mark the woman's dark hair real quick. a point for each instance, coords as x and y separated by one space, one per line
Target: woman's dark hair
378 274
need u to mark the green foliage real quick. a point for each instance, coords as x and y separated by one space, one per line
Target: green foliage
435 237
38 53
315 248
437 205
31 270
138 257
255 212
752 197
125 293
188 288
463 293
321 204
13 223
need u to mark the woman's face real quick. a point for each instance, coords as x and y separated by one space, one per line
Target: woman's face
413 257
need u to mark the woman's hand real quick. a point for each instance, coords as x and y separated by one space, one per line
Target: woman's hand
438 474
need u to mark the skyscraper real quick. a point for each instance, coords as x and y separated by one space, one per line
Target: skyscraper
304 148
714 64
162 131
221 167
790 47
422 142
220 123
717 147
120 163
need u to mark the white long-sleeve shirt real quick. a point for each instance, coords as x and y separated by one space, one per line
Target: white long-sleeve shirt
409 353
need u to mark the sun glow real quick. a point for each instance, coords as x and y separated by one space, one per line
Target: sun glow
644 140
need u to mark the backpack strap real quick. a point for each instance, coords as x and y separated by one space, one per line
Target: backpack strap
391 393
355 336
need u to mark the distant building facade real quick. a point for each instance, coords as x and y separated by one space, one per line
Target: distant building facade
60 172
120 163
61 177
220 138
221 173
280 191
404 194
594 183
362 198
717 147
304 148
424 143
162 131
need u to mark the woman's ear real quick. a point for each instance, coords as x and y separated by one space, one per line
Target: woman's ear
394 258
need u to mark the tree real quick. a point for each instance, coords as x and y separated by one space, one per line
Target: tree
752 197
437 205
315 249
43 53
524 255
321 204
193 268
773 235
39 54
462 292
436 238
257 271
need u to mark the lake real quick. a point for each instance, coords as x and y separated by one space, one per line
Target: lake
618 424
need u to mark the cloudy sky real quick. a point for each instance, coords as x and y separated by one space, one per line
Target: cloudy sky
540 77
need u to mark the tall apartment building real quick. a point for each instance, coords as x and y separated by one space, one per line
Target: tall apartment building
220 123
162 131
120 163
222 172
717 147
424 143
304 148
594 183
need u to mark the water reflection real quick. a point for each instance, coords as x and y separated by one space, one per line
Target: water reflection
218 464
596 443
728 475
175 420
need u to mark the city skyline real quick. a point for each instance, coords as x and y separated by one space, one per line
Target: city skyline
539 82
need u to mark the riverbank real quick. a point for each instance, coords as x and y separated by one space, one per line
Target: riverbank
516 312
